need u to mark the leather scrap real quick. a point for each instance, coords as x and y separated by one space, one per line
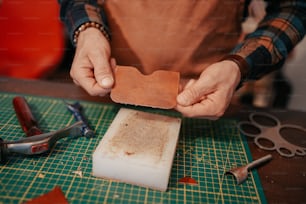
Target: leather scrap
56 195
157 90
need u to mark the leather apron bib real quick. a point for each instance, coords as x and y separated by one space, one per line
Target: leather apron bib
177 35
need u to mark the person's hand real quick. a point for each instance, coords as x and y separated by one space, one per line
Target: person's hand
210 95
92 68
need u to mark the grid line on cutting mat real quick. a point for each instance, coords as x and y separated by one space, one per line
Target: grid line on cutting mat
205 150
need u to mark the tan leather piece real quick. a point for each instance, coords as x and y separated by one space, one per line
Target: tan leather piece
157 90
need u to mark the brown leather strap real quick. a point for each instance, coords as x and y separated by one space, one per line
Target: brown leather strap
241 62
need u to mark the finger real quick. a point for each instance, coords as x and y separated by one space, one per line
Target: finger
76 82
113 63
93 88
198 110
189 83
184 82
113 66
84 77
211 107
193 92
102 72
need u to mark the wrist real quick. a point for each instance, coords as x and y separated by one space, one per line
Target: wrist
242 66
241 62
87 25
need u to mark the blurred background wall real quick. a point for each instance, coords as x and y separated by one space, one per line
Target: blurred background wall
295 72
32 42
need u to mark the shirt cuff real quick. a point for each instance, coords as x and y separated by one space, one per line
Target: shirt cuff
241 62
82 14
257 57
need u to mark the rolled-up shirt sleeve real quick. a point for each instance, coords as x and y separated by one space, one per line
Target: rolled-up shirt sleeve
266 49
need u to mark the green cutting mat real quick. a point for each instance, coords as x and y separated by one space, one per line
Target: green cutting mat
205 151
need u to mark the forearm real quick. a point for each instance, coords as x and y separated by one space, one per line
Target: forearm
76 13
268 46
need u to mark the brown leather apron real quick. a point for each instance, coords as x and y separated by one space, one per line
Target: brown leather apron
177 35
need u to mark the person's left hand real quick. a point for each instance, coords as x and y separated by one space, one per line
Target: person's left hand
210 95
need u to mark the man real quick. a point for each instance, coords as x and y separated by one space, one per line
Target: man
200 39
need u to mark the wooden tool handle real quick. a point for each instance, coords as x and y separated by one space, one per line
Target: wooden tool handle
25 116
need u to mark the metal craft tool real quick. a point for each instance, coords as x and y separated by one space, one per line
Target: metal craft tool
269 135
38 144
42 142
76 110
241 173
25 117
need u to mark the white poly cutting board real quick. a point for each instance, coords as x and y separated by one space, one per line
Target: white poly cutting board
138 148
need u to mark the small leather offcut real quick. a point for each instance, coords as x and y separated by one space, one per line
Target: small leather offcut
157 90
56 195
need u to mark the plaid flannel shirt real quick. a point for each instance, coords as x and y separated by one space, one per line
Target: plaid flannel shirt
263 50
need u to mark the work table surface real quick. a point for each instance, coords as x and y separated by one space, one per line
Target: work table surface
283 179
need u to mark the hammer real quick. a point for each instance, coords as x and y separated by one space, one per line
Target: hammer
41 142
38 144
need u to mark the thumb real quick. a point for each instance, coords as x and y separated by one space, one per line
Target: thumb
113 63
104 74
191 94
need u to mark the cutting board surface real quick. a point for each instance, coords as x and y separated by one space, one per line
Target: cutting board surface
205 150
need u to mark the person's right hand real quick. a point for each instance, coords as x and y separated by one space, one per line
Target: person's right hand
92 68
